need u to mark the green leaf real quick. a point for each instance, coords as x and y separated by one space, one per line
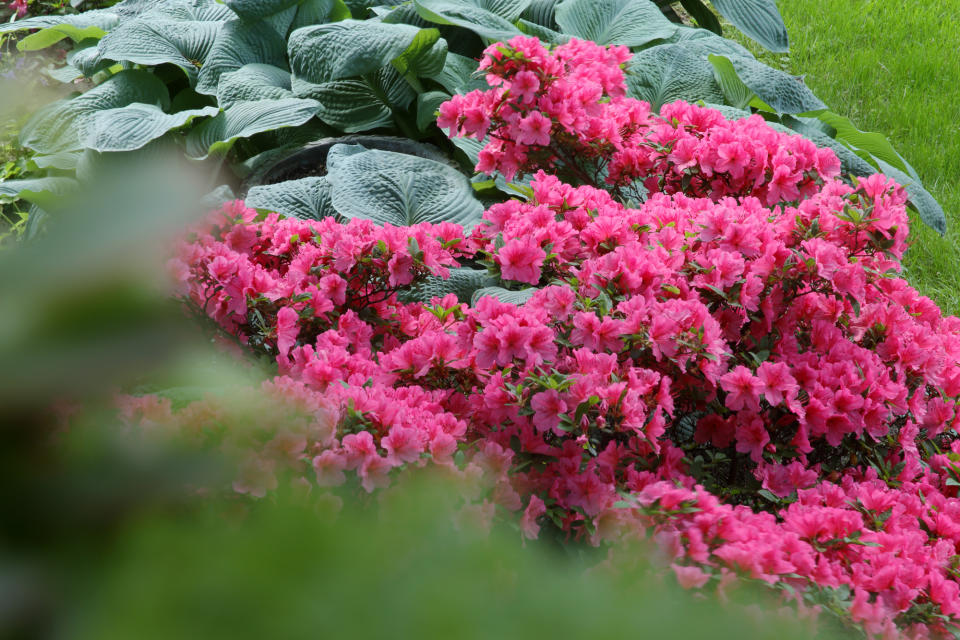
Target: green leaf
459 75
876 144
52 35
133 126
628 22
735 93
470 147
758 19
504 295
239 43
545 35
350 48
306 198
425 56
850 162
38 191
427 105
399 189
253 81
63 125
705 42
783 92
245 119
65 161
153 42
311 12
670 72
462 283
921 200
359 105
543 13
254 9
490 19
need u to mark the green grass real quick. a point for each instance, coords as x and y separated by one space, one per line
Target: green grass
894 67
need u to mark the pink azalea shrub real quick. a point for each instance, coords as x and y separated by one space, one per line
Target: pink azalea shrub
734 365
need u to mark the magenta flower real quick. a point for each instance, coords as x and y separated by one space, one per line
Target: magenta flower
520 260
743 389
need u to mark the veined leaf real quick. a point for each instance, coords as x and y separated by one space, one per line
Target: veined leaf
399 189
38 191
876 144
758 19
462 283
670 72
306 198
628 22
504 295
254 9
102 19
921 201
153 42
350 48
459 75
253 82
52 35
360 104
239 43
783 92
63 125
427 105
133 126
492 19
245 119
735 92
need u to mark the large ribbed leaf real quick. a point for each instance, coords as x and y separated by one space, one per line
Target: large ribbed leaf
492 19
670 72
424 57
133 126
245 119
758 19
153 42
52 35
704 43
239 43
361 104
628 22
37 190
104 19
541 12
781 91
921 201
311 12
504 295
399 189
462 283
459 75
253 82
735 93
306 198
63 125
876 144
253 9
351 48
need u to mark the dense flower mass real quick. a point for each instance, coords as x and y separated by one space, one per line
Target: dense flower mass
734 364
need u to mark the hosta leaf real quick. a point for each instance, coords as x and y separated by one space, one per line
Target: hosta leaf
921 201
628 22
758 19
65 160
185 10
245 119
133 126
427 105
218 197
102 19
399 189
153 42
703 15
476 15
470 147
543 33
735 93
504 295
425 55
459 75
253 82
669 72
542 12
704 43
876 144
253 9
39 191
311 12
349 48
65 74
62 126
359 105
239 43
306 198
462 283
52 35
783 92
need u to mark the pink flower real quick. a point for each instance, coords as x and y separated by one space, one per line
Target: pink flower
287 330
520 260
528 523
752 436
534 129
547 406
778 385
743 389
690 577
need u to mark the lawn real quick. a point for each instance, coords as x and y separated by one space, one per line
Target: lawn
893 67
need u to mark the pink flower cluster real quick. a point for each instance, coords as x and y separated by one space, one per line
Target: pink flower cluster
565 111
744 373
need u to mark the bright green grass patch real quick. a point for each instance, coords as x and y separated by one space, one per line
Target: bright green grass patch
894 67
